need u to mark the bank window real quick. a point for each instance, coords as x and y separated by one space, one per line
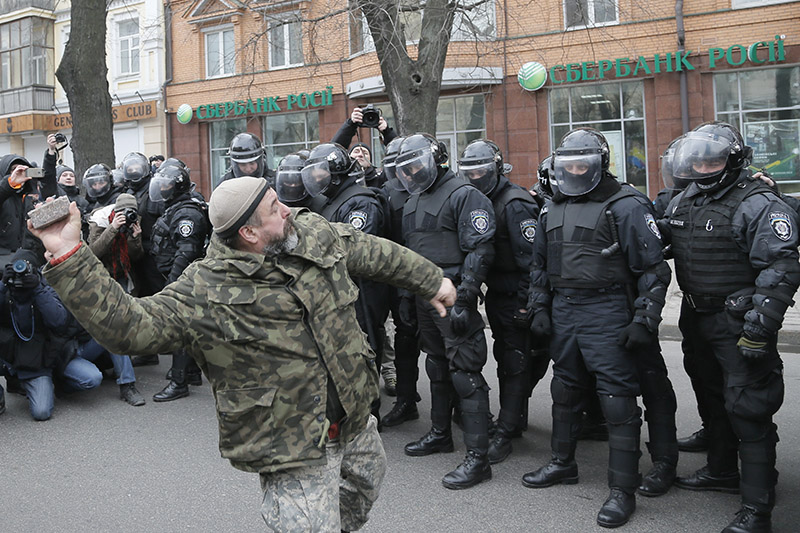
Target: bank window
221 133
289 132
765 106
286 44
616 110
128 33
475 24
26 49
586 13
220 53
459 121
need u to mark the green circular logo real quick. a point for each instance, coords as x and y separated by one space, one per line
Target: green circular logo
184 113
532 76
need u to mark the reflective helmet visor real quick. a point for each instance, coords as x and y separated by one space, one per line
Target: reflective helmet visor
416 170
97 185
316 177
250 166
482 176
575 175
162 188
700 156
289 186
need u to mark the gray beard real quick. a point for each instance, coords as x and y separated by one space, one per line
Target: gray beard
284 245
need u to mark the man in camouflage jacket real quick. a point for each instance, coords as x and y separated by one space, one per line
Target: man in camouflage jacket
276 335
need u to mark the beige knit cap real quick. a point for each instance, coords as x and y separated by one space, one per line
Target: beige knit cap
126 201
233 201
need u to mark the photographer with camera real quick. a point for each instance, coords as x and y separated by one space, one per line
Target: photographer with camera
367 117
115 237
29 312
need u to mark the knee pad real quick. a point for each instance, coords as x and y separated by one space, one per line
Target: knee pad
563 394
437 369
466 383
620 410
515 362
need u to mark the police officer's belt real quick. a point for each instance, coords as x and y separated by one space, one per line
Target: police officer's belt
699 302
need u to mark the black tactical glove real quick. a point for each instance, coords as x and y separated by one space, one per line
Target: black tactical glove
752 347
540 325
466 303
635 335
522 318
28 281
406 309
8 275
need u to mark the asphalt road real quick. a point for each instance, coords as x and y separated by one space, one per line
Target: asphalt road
101 465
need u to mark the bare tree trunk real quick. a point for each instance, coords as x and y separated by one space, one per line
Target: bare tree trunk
412 85
82 73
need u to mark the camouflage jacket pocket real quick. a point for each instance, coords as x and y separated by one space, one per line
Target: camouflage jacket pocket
231 309
246 427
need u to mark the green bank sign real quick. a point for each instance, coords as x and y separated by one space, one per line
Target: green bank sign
623 67
268 104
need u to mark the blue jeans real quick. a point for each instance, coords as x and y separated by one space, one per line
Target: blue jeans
40 396
122 363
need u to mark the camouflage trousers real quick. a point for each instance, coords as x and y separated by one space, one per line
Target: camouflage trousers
327 498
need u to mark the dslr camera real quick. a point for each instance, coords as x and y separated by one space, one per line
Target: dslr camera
21 269
131 216
371 116
61 138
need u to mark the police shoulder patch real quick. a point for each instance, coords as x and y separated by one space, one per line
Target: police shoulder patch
185 228
528 229
781 225
480 220
358 219
651 225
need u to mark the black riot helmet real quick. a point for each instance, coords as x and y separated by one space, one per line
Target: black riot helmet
97 180
117 177
580 161
174 161
169 182
247 156
418 160
544 174
389 162
135 169
711 155
481 164
289 179
328 166
667 168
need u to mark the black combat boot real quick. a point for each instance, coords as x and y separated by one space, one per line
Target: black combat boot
658 480
694 443
404 409
128 392
703 479
553 473
194 376
474 469
434 441
499 447
175 389
750 520
617 509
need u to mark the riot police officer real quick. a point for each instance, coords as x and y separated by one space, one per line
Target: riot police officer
248 158
289 183
736 260
179 237
100 191
518 367
542 189
599 249
330 172
451 223
403 307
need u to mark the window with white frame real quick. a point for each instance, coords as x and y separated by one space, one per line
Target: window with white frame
586 13
220 53
285 133
360 36
742 4
285 44
220 133
128 35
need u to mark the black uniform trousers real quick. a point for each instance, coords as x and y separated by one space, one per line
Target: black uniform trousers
741 396
455 363
584 345
406 344
519 365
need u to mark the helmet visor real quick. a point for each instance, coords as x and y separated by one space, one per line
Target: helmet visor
136 171
482 176
97 186
250 166
316 177
416 170
289 186
575 175
700 156
162 188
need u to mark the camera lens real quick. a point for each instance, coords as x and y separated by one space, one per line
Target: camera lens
20 266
